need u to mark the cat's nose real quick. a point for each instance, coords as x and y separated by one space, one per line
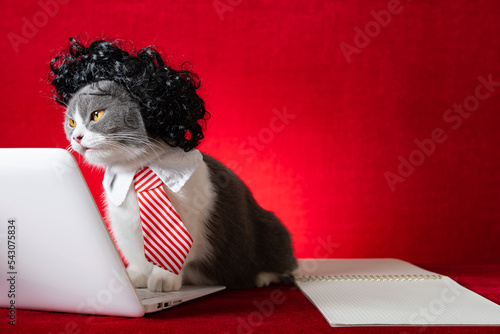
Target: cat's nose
78 139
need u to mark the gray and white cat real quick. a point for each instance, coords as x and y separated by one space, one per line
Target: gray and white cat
235 242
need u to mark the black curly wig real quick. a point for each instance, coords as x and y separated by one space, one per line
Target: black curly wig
171 109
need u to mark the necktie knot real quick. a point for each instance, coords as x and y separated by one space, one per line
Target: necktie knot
145 179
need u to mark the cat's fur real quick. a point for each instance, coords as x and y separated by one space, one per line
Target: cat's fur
236 242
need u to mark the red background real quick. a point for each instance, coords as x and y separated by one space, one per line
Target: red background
354 114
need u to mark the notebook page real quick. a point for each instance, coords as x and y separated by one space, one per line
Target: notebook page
337 267
439 301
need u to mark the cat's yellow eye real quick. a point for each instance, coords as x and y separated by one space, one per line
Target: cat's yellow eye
72 122
96 115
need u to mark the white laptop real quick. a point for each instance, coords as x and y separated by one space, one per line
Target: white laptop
57 255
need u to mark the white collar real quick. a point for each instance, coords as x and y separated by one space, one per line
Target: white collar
174 169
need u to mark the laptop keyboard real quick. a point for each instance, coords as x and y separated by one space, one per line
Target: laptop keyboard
146 294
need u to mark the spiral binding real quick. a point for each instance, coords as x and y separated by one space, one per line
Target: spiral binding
367 278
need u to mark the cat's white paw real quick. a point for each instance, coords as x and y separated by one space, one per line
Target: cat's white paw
265 278
139 279
163 280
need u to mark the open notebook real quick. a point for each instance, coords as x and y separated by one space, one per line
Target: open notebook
390 292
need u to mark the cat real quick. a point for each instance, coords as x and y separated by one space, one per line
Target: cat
236 243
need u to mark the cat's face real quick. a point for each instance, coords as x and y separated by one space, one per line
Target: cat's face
105 126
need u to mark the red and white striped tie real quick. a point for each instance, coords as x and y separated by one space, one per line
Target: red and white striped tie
166 239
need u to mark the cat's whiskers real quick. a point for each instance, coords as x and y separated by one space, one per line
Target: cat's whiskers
125 152
124 148
152 146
